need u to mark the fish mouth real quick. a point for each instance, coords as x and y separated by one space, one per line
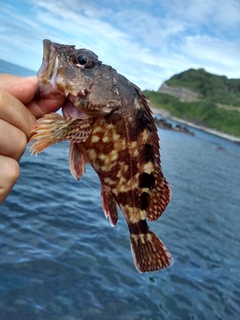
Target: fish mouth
49 60
47 73
48 70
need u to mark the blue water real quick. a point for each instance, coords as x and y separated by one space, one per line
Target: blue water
6 67
60 259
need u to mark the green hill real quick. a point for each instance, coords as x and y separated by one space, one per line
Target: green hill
217 105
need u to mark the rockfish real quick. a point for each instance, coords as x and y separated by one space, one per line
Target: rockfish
109 124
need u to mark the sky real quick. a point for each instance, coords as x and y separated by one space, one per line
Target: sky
147 41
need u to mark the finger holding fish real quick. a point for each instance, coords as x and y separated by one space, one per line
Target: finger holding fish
16 121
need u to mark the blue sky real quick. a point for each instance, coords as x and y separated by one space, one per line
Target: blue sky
147 40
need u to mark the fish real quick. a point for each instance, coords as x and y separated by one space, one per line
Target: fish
109 124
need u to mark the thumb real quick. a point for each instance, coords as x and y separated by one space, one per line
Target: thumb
45 105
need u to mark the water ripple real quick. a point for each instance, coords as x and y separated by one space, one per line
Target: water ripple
60 259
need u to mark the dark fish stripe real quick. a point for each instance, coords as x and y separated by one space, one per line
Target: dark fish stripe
146 180
125 198
139 227
144 121
144 200
147 154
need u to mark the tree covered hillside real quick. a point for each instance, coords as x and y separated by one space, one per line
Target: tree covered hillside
217 105
219 88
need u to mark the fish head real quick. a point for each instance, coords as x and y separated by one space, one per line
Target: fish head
65 70
78 75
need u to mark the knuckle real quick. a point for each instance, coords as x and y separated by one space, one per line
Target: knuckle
13 171
6 102
3 98
21 143
9 173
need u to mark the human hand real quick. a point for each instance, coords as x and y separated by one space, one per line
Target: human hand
18 112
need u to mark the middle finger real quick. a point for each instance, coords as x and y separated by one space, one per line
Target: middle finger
14 112
13 141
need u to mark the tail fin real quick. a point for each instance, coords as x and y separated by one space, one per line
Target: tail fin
149 252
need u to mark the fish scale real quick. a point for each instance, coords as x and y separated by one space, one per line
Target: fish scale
109 124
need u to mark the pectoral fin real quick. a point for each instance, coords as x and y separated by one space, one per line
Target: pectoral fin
77 161
53 128
109 207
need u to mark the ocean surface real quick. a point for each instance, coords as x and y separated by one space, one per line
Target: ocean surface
60 259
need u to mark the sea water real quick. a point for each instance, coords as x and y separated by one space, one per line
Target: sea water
60 259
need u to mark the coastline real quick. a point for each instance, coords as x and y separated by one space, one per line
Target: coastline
166 114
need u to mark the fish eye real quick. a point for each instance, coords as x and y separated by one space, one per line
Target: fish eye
82 59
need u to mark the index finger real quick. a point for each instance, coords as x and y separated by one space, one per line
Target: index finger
24 89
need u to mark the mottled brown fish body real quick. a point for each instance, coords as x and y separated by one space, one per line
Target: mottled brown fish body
117 134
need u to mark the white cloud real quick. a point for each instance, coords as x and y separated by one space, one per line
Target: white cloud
217 55
146 41
222 12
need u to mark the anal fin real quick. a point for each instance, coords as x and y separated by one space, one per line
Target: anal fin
77 161
109 207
